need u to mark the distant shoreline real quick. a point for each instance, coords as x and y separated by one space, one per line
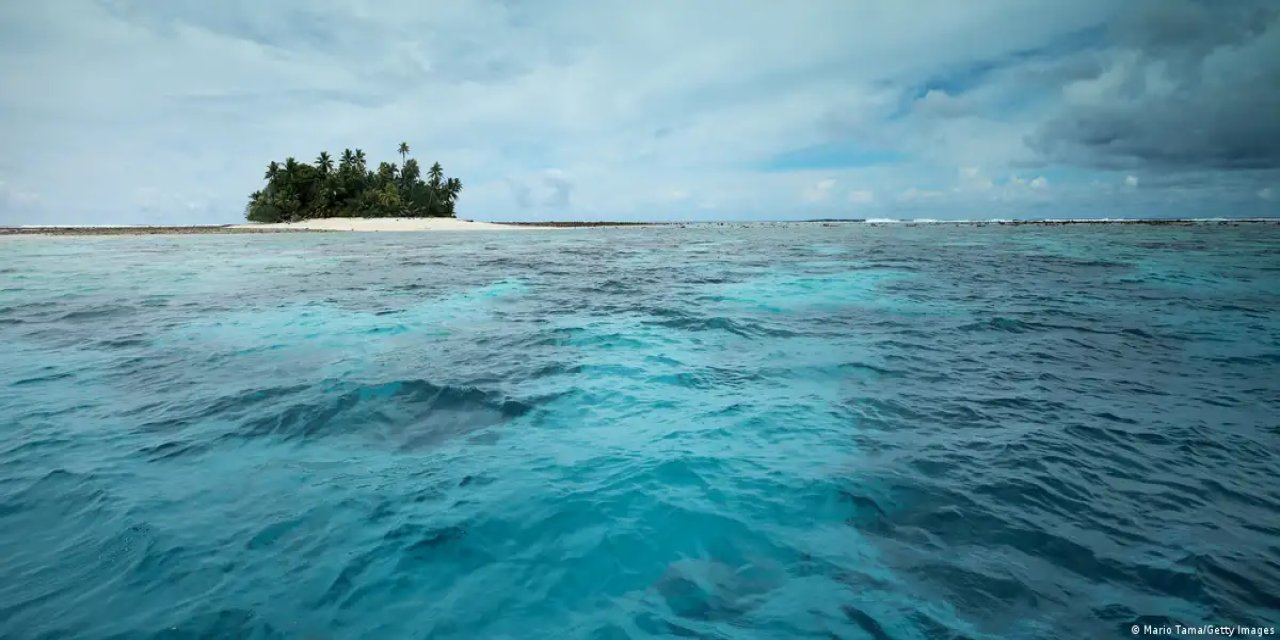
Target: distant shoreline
317 225
365 225
127 230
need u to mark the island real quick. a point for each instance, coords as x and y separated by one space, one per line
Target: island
298 191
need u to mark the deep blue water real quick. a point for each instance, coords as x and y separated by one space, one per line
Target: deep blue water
722 432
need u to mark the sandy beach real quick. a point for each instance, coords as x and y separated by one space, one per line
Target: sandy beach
387 224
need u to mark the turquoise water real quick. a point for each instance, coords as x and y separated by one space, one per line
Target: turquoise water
721 431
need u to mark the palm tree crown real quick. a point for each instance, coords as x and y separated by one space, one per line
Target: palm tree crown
324 163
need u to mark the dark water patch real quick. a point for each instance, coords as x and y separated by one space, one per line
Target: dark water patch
50 377
1012 325
1238 582
742 328
412 286
1262 359
1021 403
223 623
709 378
59 494
411 413
102 312
172 449
430 541
976 590
1008 325
1111 417
1078 263
478 481
866 622
230 406
123 343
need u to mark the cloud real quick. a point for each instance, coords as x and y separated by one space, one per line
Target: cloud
549 190
17 197
1131 181
521 193
168 111
16 204
940 103
1265 193
862 196
913 195
560 187
972 179
820 191
1192 85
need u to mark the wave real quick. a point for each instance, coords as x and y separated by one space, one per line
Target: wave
687 322
412 414
728 431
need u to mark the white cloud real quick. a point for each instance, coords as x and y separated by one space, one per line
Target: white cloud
1265 193
1131 181
17 197
17 205
1019 192
972 179
914 194
862 196
819 192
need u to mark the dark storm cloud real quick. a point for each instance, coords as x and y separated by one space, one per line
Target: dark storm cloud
1190 85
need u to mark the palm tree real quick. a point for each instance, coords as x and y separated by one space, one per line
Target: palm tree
387 172
437 172
348 159
360 160
410 173
272 170
452 187
324 163
404 151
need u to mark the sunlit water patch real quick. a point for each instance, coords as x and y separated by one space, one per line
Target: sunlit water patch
724 432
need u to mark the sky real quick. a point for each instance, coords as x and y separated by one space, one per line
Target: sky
137 111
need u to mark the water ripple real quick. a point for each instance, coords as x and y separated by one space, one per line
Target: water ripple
724 431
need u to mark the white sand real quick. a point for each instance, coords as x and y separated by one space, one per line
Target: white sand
389 224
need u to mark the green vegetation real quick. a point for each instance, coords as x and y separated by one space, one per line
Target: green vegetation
298 191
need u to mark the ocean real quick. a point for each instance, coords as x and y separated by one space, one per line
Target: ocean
719 431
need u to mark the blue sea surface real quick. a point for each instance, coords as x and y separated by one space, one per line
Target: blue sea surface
738 431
